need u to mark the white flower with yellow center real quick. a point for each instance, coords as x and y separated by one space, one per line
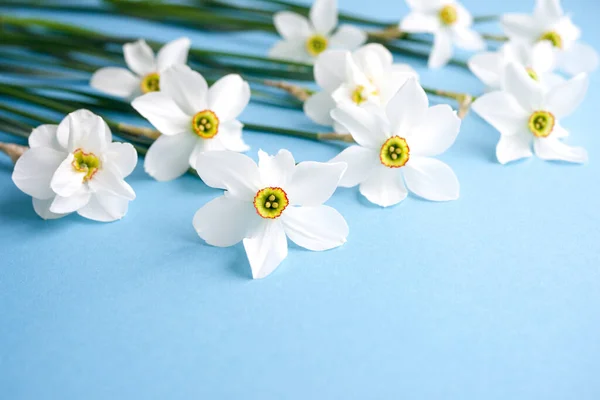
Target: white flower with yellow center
265 203
304 40
75 167
396 147
524 113
448 21
145 69
192 119
549 23
366 76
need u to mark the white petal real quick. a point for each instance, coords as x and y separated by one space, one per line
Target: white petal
163 113
374 59
42 208
168 157
431 179
230 134
139 57
563 99
276 170
392 80
104 208
173 53
107 180
82 129
187 88
521 27
367 128
315 228
231 171
426 5
441 51
347 37
502 111
122 156
553 149
407 108
324 15
34 170
437 132
318 108
579 58
419 22
361 162
267 249
543 57
515 147
487 67
464 18
384 187
548 10
66 181
330 69
468 39
528 92
115 81
65 205
313 183
291 25
225 221
228 97
45 136
290 49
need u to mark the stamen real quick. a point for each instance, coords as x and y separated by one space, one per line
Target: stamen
85 162
357 95
150 83
448 15
395 152
270 202
316 44
541 123
532 74
205 124
553 37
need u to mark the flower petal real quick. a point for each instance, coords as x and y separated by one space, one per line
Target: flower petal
139 57
173 53
65 205
83 129
115 81
290 49
163 113
313 183
419 22
187 88
361 162
579 58
514 147
104 207
542 56
563 99
520 26
324 15
276 170
330 69
34 170
168 157
228 97
318 108
315 228
66 181
45 136
225 221
373 59
548 10
107 180
228 170
553 149
431 179
441 51
230 134
348 37
426 5
384 187
42 208
290 25
266 249
502 111
468 39
366 127
437 132
407 108
487 66
122 156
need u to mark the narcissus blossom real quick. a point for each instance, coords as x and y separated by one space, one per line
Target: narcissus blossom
265 203
145 69
192 119
448 21
524 113
549 23
75 167
396 147
303 40
367 76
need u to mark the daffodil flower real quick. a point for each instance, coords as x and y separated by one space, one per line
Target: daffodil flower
549 23
145 69
524 113
396 147
303 40
75 167
448 21
366 76
538 60
192 119
265 203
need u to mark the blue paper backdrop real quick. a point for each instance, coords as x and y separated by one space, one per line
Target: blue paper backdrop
494 296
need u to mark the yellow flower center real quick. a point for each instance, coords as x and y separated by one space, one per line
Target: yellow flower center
541 123
85 162
553 37
448 15
316 44
205 124
358 96
532 74
150 83
270 202
395 152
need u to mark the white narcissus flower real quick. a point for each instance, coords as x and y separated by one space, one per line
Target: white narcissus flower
367 76
75 166
143 75
538 60
549 23
448 21
523 113
264 203
396 146
304 40
192 119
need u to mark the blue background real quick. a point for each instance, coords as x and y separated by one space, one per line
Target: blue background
494 296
